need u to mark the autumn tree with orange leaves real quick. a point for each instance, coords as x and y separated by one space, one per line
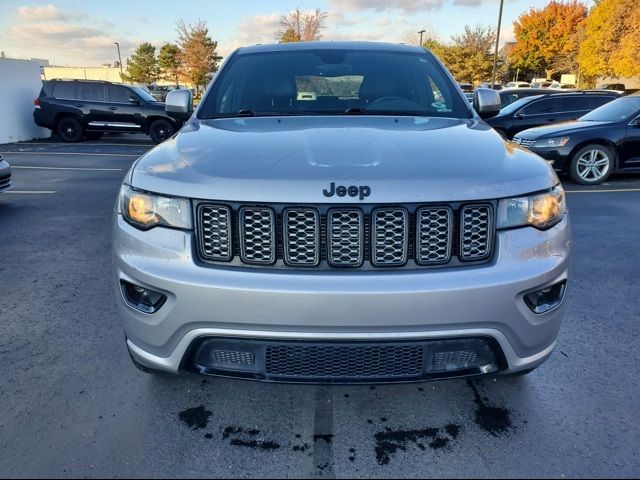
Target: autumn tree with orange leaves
548 39
611 45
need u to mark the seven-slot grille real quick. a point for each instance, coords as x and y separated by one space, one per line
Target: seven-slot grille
523 141
304 237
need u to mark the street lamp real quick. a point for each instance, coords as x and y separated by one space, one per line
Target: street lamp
119 60
495 55
421 32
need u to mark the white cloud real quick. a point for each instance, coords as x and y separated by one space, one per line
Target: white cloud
252 30
47 13
467 3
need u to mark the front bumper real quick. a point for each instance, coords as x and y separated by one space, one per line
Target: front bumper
5 175
387 306
558 157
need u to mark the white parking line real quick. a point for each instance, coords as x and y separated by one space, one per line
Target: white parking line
69 168
605 191
74 153
31 191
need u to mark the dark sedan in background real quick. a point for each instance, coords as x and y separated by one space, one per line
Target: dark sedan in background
597 144
546 109
5 175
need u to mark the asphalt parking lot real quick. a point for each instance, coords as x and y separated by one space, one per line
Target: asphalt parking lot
73 405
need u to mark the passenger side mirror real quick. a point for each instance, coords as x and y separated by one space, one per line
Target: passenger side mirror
486 102
134 100
178 104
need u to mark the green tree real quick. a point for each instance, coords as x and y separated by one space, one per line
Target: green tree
469 56
169 63
547 38
299 26
142 66
198 57
289 35
612 34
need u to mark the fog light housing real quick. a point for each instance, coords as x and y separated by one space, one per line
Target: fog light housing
546 299
140 298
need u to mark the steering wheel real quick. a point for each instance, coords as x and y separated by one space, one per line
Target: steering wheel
396 103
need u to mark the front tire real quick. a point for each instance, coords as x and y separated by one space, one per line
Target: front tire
592 164
160 130
69 130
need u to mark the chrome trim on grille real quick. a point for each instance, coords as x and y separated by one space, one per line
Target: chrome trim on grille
257 229
301 245
523 141
215 232
389 246
345 246
476 232
433 240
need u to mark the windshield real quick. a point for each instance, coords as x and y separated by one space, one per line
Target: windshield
333 82
144 94
517 104
619 110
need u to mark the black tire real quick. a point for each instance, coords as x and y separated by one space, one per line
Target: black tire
69 130
94 135
592 164
160 130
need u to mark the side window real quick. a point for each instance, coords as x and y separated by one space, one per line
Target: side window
119 94
597 101
540 107
93 92
572 104
65 90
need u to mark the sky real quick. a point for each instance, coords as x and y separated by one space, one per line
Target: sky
81 33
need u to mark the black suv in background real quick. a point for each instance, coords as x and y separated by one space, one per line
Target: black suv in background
539 110
77 109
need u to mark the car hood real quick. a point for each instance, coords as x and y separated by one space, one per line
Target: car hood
293 159
564 128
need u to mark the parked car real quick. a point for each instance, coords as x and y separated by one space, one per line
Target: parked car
466 87
517 85
496 86
545 84
562 86
77 109
376 237
552 107
594 146
5 175
510 95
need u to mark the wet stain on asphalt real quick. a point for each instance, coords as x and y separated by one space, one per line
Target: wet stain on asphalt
195 418
452 430
389 441
243 437
494 420
328 438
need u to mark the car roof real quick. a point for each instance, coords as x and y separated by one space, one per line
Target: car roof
300 46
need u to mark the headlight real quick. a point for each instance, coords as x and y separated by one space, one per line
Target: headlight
551 142
542 210
145 210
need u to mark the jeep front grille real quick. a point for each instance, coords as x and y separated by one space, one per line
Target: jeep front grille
325 237
476 232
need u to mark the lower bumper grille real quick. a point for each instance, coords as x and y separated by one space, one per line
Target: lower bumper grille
340 362
5 181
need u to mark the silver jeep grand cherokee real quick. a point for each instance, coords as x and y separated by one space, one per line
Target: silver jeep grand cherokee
337 212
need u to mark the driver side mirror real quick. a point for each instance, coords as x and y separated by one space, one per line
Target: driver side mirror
134 101
486 102
179 104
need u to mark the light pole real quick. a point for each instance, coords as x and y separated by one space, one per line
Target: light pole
119 60
421 32
495 55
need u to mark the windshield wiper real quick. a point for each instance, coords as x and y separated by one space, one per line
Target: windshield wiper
246 113
355 111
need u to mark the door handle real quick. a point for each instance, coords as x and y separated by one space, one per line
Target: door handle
113 108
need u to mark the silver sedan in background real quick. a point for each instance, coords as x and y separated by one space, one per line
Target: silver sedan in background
5 175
